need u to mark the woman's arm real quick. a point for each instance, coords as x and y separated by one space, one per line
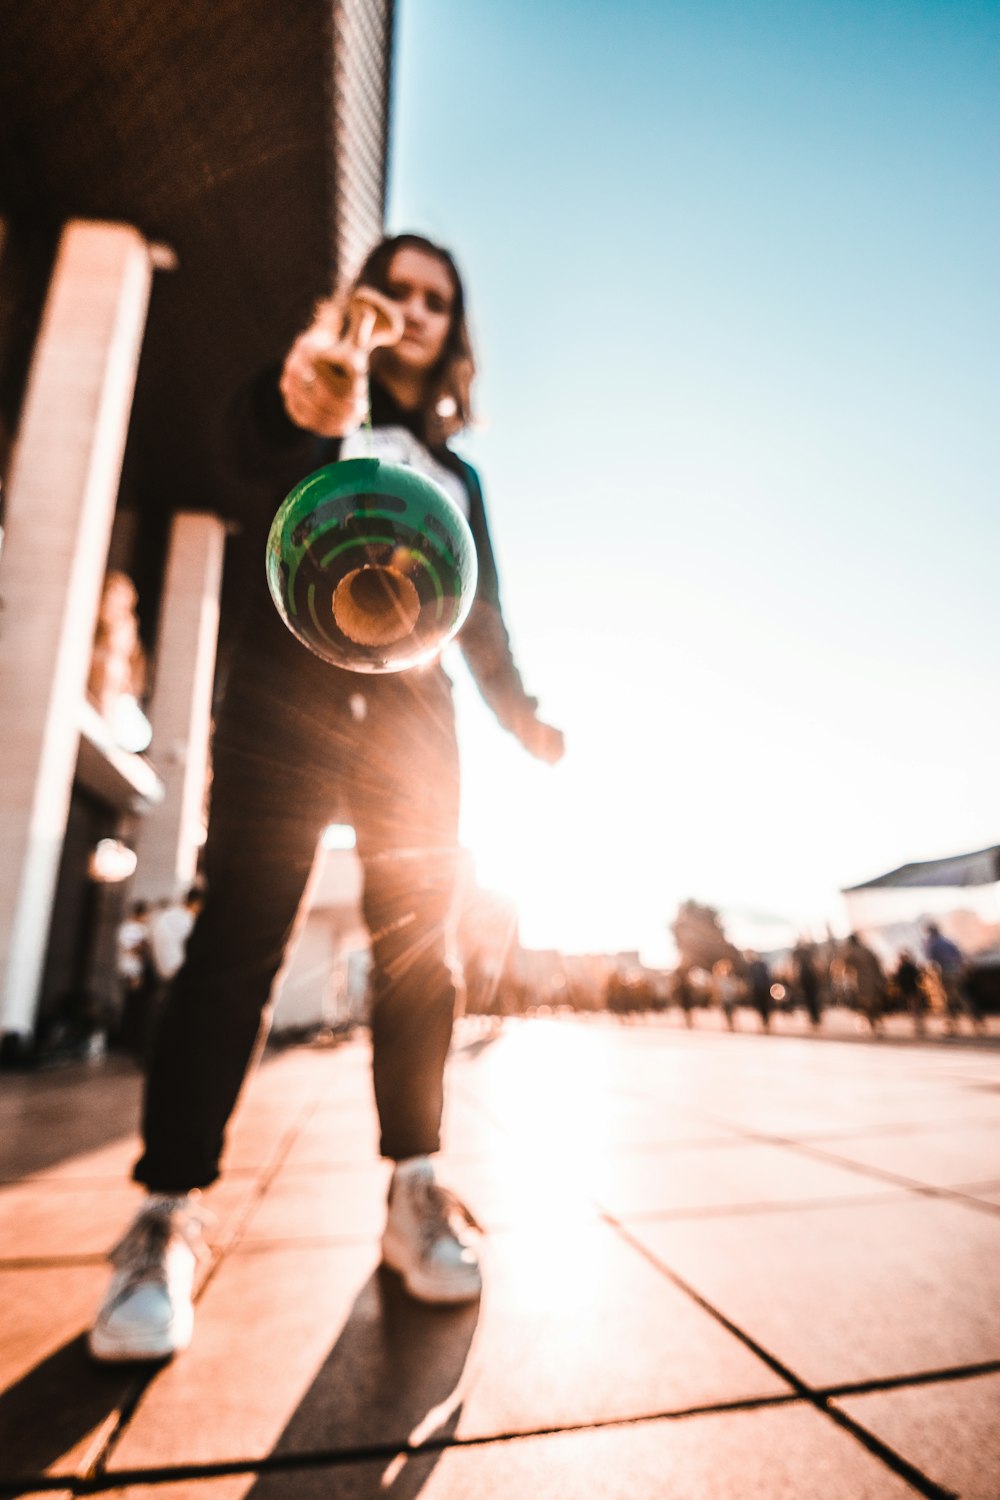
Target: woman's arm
486 647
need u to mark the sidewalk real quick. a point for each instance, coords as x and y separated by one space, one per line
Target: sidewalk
718 1267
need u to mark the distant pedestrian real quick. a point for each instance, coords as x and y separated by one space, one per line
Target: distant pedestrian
726 990
950 965
866 979
135 977
908 982
170 926
683 992
759 981
169 929
807 980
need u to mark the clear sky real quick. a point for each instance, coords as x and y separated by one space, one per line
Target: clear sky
733 276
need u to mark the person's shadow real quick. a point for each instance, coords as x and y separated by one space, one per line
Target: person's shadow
392 1377
57 1405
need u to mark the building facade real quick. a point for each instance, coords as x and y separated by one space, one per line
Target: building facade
178 186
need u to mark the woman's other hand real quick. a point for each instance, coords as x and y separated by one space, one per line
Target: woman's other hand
541 740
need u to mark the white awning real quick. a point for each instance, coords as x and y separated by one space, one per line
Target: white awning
980 868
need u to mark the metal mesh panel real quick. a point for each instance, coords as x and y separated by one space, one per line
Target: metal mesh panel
248 136
362 31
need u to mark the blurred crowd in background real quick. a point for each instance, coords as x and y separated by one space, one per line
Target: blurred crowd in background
932 986
932 980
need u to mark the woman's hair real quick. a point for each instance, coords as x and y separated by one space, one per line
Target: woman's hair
448 404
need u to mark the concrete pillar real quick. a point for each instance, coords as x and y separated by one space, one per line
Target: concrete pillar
180 708
60 506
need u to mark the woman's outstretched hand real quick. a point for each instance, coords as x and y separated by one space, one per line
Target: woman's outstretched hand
541 740
325 379
324 383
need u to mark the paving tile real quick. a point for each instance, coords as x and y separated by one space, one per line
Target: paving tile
544 1081
467 1131
321 1073
785 1453
845 1294
49 1120
336 1136
255 1144
42 1219
55 1404
348 1082
267 1324
309 1069
717 1177
577 1327
776 1117
347 1202
304 1350
328 1104
111 1163
940 1157
799 1090
605 1121
515 1189
328 1203
343 1133
950 1430
767 1110
919 1102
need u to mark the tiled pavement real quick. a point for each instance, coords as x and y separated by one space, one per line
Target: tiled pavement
718 1268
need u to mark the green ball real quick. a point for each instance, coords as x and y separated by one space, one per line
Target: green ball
371 565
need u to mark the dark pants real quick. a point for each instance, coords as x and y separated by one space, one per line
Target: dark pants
288 759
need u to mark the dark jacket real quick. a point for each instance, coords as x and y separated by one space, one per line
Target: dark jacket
273 455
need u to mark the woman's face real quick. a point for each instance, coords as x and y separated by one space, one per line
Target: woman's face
422 286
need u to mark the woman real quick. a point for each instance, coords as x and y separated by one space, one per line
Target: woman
298 744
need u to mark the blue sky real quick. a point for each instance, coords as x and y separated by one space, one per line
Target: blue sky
732 275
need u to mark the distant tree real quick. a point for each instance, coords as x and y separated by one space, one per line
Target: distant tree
700 938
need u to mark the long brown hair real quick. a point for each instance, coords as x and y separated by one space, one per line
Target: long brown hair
447 406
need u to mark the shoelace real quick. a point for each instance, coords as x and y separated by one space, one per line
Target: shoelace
141 1251
436 1206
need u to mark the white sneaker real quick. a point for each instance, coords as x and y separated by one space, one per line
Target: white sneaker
424 1238
147 1311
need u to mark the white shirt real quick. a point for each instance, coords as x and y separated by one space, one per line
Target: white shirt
131 940
169 929
395 445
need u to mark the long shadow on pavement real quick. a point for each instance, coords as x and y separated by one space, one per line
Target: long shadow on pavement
393 1375
57 1405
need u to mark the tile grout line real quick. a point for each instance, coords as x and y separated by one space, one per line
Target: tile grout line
816 1398
878 1174
340 1457
596 1213
814 1151
950 1373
